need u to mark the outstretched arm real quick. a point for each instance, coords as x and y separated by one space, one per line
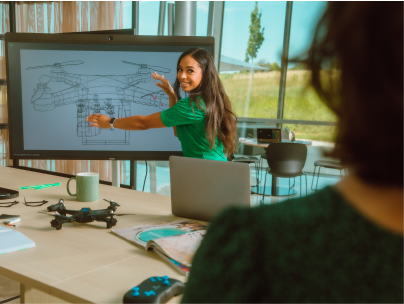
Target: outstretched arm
128 123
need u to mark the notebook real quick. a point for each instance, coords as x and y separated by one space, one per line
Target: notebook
11 240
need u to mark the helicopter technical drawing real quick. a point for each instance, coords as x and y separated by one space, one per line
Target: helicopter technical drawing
110 94
84 215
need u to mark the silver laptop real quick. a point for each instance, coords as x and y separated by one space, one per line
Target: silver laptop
201 188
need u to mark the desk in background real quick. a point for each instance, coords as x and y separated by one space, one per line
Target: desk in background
81 263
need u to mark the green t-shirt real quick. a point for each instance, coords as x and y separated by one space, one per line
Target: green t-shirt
191 130
316 249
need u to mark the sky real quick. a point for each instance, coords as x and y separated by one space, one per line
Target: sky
305 15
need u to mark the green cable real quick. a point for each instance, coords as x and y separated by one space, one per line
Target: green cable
41 186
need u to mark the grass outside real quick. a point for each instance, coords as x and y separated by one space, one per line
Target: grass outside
301 103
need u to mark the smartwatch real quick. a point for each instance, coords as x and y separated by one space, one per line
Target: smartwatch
112 121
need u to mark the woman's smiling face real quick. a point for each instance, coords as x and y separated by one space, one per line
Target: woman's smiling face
189 73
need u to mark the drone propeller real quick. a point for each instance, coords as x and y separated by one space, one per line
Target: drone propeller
62 217
154 68
112 203
57 64
46 213
148 94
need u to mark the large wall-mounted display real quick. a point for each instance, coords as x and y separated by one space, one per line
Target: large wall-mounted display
57 80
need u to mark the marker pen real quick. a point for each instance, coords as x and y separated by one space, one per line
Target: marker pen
11 222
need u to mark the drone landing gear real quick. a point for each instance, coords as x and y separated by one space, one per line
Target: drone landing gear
56 224
111 222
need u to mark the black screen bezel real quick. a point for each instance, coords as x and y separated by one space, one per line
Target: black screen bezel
16 145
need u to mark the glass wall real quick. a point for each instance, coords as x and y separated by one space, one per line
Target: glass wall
202 12
250 68
301 102
127 14
149 17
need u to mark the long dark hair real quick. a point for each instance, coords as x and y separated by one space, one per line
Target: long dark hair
362 45
220 121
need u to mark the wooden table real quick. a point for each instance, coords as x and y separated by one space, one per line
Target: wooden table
274 189
81 263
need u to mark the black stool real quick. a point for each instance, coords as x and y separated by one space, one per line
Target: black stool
261 165
248 160
326 164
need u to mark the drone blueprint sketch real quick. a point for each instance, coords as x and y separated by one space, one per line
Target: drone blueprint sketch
117 85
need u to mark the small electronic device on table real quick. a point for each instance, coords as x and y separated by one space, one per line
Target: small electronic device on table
154 290
8 193
267 136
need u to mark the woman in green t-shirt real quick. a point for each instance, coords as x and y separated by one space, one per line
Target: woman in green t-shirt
204 122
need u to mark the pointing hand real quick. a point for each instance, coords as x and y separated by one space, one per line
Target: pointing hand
99 120
164 85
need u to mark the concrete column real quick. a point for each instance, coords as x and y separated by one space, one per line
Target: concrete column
185 18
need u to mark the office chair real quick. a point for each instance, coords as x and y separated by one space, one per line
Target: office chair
326 164
284 136
286 160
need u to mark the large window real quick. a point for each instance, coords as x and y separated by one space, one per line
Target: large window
252 79
148 17
301 102
202 9
250 69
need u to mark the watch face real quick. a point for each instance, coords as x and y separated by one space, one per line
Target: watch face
112 120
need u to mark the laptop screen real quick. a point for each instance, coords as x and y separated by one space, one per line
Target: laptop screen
269 135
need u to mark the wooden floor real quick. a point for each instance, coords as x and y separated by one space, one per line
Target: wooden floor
9 289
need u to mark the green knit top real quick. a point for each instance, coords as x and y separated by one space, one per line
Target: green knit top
190 125
315 249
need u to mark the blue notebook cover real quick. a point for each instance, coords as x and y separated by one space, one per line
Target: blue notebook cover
11 240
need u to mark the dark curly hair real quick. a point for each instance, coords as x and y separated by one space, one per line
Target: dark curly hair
220 120
356 60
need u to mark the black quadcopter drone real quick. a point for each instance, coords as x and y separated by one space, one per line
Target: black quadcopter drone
84 215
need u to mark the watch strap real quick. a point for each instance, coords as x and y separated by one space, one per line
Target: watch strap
112 121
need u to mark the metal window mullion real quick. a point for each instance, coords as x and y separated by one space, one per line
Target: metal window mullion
215 28
11 10
170 19
286 121
12 22
135 27
209 30
135 17
162 18
284 62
